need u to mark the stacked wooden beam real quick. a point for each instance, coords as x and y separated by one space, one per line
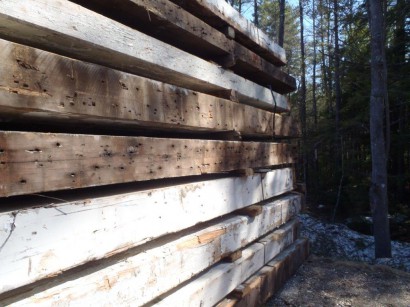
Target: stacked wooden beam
144 155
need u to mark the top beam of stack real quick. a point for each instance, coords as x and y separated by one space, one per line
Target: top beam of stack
74 31
220 14
170 23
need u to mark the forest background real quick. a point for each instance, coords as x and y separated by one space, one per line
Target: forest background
328 48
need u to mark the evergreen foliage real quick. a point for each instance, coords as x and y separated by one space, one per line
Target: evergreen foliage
348 182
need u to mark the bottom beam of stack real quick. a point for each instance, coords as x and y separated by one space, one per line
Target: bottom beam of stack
269 279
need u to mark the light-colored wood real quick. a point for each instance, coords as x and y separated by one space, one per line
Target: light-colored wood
36 84
72 30
209 288
271 179
220 13
36 162
269 279
276 242
175 26
150 272
50 239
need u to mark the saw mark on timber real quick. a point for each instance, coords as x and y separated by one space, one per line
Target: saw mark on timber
12 227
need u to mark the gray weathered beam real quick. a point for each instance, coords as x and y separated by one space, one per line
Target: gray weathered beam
39 85
219 14
75 31
175 26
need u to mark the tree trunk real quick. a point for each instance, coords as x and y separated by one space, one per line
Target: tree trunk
314 65
281 22
303 90
337 65
256 13
378 189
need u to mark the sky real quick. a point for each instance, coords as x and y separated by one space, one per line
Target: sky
247 10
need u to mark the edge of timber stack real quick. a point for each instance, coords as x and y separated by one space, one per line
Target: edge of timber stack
146 156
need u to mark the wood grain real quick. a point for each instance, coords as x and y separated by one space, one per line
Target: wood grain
219 14
67 28
268 280
39 85
170 23
36 240
143 276
36 162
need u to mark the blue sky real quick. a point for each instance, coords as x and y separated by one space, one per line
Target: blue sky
247 10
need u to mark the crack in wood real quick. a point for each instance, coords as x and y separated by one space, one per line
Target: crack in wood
12 227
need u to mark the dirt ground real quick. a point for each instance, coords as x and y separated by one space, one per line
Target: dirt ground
327 282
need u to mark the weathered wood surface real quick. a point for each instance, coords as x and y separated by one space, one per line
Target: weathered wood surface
167 22
36 84
149 272
37 162
75 31
209 288
269 279
219 14
276 242
35 241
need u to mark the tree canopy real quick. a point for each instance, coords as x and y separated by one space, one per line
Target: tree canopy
336 152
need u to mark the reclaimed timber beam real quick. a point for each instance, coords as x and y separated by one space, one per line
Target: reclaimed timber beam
269 279
192 203
72 30
35 84
188 254
36 162
219 14
169 23
252 66
212 286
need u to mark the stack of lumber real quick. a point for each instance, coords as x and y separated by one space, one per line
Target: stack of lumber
145 156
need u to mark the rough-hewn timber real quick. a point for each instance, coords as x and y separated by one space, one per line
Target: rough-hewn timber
268 280
96 227
75 31
211 287
36 84
155 267
169 23
37 162
220 14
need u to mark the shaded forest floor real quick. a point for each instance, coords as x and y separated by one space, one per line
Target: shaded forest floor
342 271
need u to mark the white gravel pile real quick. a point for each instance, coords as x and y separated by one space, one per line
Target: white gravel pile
338 241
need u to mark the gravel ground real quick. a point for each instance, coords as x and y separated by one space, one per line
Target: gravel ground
342 271
329 282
